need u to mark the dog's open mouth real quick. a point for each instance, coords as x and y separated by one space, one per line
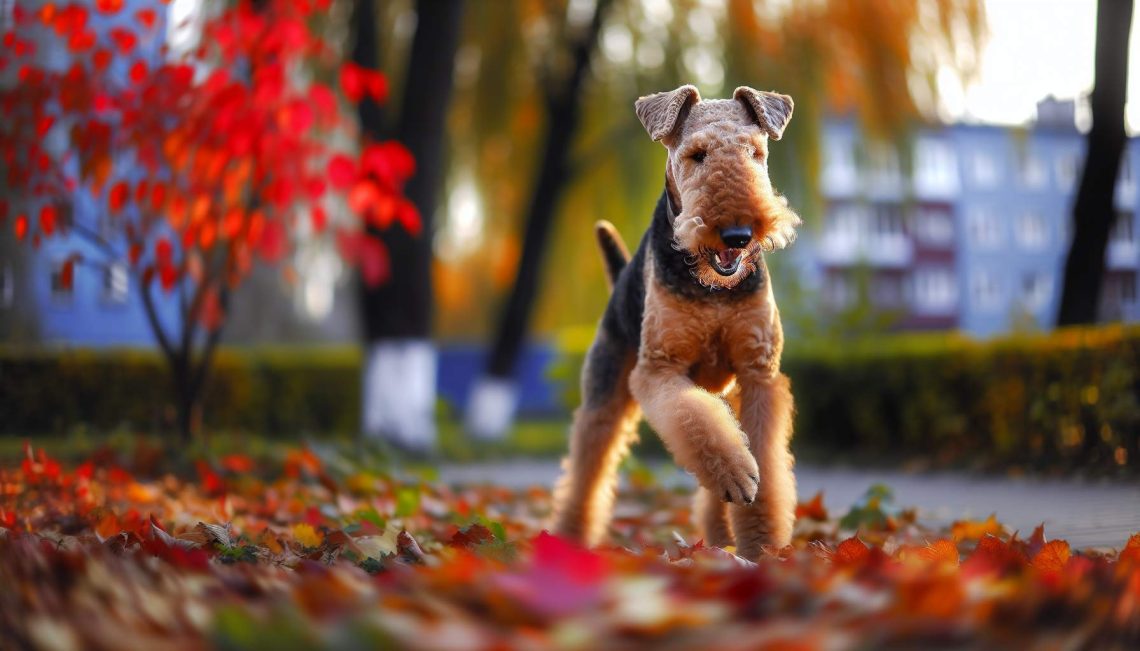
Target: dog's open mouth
726 261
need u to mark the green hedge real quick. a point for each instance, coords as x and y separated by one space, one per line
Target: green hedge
271 391
1059 401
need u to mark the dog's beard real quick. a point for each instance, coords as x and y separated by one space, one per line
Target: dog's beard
722 268
725 267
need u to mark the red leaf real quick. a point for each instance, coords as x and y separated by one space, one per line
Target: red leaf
146 17
125 40
118 197
237 463
109 6
21 226
320 219
138 72
409 217
47 219
342 171
167 276
67 274
273 241
81 41
561 579
163 251
43 125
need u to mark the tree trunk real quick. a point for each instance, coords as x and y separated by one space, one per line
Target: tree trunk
399 376
1094 209
491 407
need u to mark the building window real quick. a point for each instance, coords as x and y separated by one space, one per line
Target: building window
883 162
985 229
1067 164
7 287
935 289
115 283
1123 229
838 291
887 291
986 291
1031 230
62 281
1036 290
1031 171
933 226
984 169
888 220
936 164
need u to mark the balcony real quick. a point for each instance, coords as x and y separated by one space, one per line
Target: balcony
888 251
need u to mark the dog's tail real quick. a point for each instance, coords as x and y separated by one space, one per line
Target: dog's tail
614 254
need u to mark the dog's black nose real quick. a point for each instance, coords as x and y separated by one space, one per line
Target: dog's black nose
736 237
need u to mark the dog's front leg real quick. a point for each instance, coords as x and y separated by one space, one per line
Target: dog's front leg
766 415
698 428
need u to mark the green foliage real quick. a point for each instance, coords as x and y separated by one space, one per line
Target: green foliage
254 390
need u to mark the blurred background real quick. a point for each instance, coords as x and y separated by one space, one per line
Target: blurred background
964 189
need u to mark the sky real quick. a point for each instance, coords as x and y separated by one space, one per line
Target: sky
1036 48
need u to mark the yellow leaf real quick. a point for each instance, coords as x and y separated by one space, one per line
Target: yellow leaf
304 534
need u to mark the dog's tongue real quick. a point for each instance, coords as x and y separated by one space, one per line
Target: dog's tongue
726 257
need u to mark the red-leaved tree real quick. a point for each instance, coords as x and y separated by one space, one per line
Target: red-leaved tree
199 163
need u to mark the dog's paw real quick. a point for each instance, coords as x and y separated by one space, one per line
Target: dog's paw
732 475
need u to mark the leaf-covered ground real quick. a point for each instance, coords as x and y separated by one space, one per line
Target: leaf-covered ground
312 551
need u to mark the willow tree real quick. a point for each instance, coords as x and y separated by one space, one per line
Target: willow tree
875 61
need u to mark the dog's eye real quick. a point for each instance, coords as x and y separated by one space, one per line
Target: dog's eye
698 156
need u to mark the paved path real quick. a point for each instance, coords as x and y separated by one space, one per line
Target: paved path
1086 513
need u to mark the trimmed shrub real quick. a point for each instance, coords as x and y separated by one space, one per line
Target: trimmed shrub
1066 400
271 391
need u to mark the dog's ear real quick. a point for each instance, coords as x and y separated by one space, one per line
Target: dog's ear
771 110
662 113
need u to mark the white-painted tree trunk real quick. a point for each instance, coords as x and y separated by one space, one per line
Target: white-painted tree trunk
400 393
491 408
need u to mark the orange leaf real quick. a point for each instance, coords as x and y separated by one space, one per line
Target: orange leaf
1131 552
851 551
974 530
813 510
1053 556
941 551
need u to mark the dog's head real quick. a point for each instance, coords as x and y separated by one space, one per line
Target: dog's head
725 211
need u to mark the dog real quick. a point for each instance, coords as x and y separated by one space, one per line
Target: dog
691 337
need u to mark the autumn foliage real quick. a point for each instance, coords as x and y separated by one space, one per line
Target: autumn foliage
198 162
312 550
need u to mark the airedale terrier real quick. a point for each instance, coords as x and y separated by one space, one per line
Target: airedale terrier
692 334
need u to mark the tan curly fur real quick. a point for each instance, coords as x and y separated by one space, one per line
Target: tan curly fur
707 372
